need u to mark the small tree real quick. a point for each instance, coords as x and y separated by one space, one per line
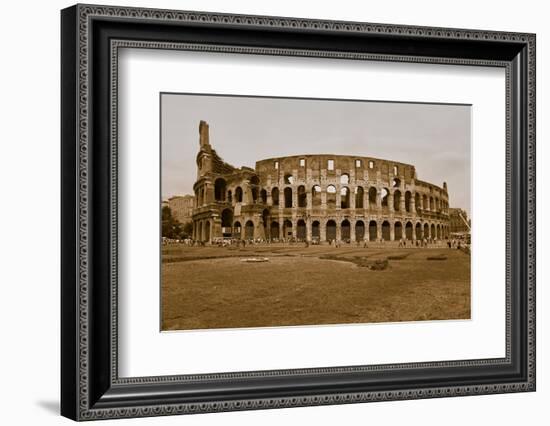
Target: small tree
171 228
187 229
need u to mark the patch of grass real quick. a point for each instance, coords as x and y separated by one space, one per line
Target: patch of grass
208 287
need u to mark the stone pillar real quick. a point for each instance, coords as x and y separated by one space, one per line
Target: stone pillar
352 196
282 229
379 230
308 229
414 232
323 198
294 196
338 230
309 198
338 198
413 204
392 231
378 198
402 203
322 230
352 230
294 227
390 201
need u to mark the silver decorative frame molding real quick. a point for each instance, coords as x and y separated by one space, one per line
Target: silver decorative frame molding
88 404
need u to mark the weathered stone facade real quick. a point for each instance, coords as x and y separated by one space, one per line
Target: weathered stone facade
458 220
181 207
323 197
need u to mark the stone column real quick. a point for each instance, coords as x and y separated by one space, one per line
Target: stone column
309 198
352 196
379 230
390 201
338 230
352 230
322 230
338 198
402 203
413 205
308 229
392 231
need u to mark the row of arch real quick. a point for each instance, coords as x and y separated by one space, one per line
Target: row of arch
363 199
330 229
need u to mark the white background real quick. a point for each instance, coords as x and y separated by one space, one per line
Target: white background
146 352
29 225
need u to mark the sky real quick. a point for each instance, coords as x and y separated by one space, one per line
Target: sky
435 138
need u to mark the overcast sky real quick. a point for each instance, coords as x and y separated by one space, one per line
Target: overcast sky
434 138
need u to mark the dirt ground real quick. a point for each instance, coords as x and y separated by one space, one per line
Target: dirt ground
211 287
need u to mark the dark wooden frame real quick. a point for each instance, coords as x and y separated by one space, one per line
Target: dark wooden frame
90 387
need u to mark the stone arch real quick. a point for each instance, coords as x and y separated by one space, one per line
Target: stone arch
359 230
432 207
359 197
424 202
384 195
263 196
227 222
207 231
396 183
373 230
287 229
316 196
409 231
345 198
275 196
398 231
372 197
288 197
408 201
237 229
200 236
249 230
238 194
417 204
331 229
302 196
345 230
432 231
301 230
418 231
438 231
219 189
274 233
426 230
386 231
229 196
289 179
316 229
331 197
397 200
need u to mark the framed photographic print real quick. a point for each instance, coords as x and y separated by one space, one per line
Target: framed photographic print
263 212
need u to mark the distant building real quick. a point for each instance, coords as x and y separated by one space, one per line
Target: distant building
459 220
181 207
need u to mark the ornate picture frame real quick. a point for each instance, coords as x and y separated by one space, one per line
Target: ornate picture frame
91 37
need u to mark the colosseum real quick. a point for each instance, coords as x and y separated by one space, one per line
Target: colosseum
319 198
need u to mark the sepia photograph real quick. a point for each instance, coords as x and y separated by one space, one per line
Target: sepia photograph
281 212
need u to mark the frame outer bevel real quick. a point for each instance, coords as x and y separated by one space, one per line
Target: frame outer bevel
77 319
